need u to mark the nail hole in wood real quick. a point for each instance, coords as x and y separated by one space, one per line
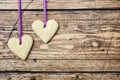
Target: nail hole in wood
35 60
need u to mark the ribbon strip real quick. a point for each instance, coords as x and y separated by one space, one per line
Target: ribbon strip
20 22
45 13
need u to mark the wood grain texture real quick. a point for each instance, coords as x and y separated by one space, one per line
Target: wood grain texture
78 76
60 65
61 4
90 29
86 41
82 21
86 46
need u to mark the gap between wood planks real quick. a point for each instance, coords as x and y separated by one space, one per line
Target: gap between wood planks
85 9
54 72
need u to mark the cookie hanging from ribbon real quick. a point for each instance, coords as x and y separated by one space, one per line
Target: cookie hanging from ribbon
22 46
47 29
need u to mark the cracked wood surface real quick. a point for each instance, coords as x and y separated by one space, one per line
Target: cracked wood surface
86 47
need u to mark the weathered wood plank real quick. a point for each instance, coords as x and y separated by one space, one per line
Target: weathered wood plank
59 65
93 47
86 41
83 33
80 76
82 21
61 4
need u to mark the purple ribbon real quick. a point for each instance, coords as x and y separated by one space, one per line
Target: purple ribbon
20 21
45 12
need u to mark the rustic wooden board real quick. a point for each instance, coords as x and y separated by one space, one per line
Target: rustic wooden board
77 76
86 41
86 46
83 21
59 65
80 48
61 4
78 33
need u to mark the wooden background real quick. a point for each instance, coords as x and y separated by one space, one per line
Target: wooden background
86 47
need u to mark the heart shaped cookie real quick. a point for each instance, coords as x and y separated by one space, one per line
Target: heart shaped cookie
22 50
46 33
